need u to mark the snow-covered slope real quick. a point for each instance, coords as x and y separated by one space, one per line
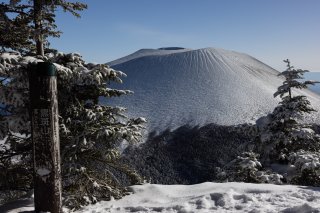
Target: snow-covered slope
215 197
174 87
202 198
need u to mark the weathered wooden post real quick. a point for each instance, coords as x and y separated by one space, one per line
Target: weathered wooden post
45 136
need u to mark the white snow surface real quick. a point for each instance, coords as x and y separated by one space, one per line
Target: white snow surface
214 197
203 198
195 87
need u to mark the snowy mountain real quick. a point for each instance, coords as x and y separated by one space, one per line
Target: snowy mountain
176 86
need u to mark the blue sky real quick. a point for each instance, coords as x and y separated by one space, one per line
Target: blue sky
270 30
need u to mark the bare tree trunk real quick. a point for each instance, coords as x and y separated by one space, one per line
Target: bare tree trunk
38 7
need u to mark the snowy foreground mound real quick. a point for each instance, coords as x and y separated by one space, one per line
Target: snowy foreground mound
204 198
175 86
215 197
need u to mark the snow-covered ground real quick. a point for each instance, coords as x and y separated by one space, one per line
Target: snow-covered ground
204 198
183 86
215 197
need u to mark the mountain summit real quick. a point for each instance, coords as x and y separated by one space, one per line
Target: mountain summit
177 86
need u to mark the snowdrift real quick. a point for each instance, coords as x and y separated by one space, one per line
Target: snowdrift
176 86
215 197
202 198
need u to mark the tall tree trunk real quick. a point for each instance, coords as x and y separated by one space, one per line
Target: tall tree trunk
37 18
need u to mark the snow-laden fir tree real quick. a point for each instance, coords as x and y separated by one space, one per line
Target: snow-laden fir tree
247 168
26 25
283 134
282 138
90 132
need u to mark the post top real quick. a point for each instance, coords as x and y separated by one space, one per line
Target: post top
46 69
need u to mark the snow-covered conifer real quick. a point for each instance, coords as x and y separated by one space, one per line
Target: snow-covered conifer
307 167
247 168
26 25
242 169
284 131
90 132
284 137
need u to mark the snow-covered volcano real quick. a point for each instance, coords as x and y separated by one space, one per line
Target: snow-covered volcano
175 86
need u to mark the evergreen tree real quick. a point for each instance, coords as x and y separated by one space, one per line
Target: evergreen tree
285 132
31 22
285 138
90 132
14 32
247 168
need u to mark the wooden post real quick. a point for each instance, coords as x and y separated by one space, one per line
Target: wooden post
45 137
